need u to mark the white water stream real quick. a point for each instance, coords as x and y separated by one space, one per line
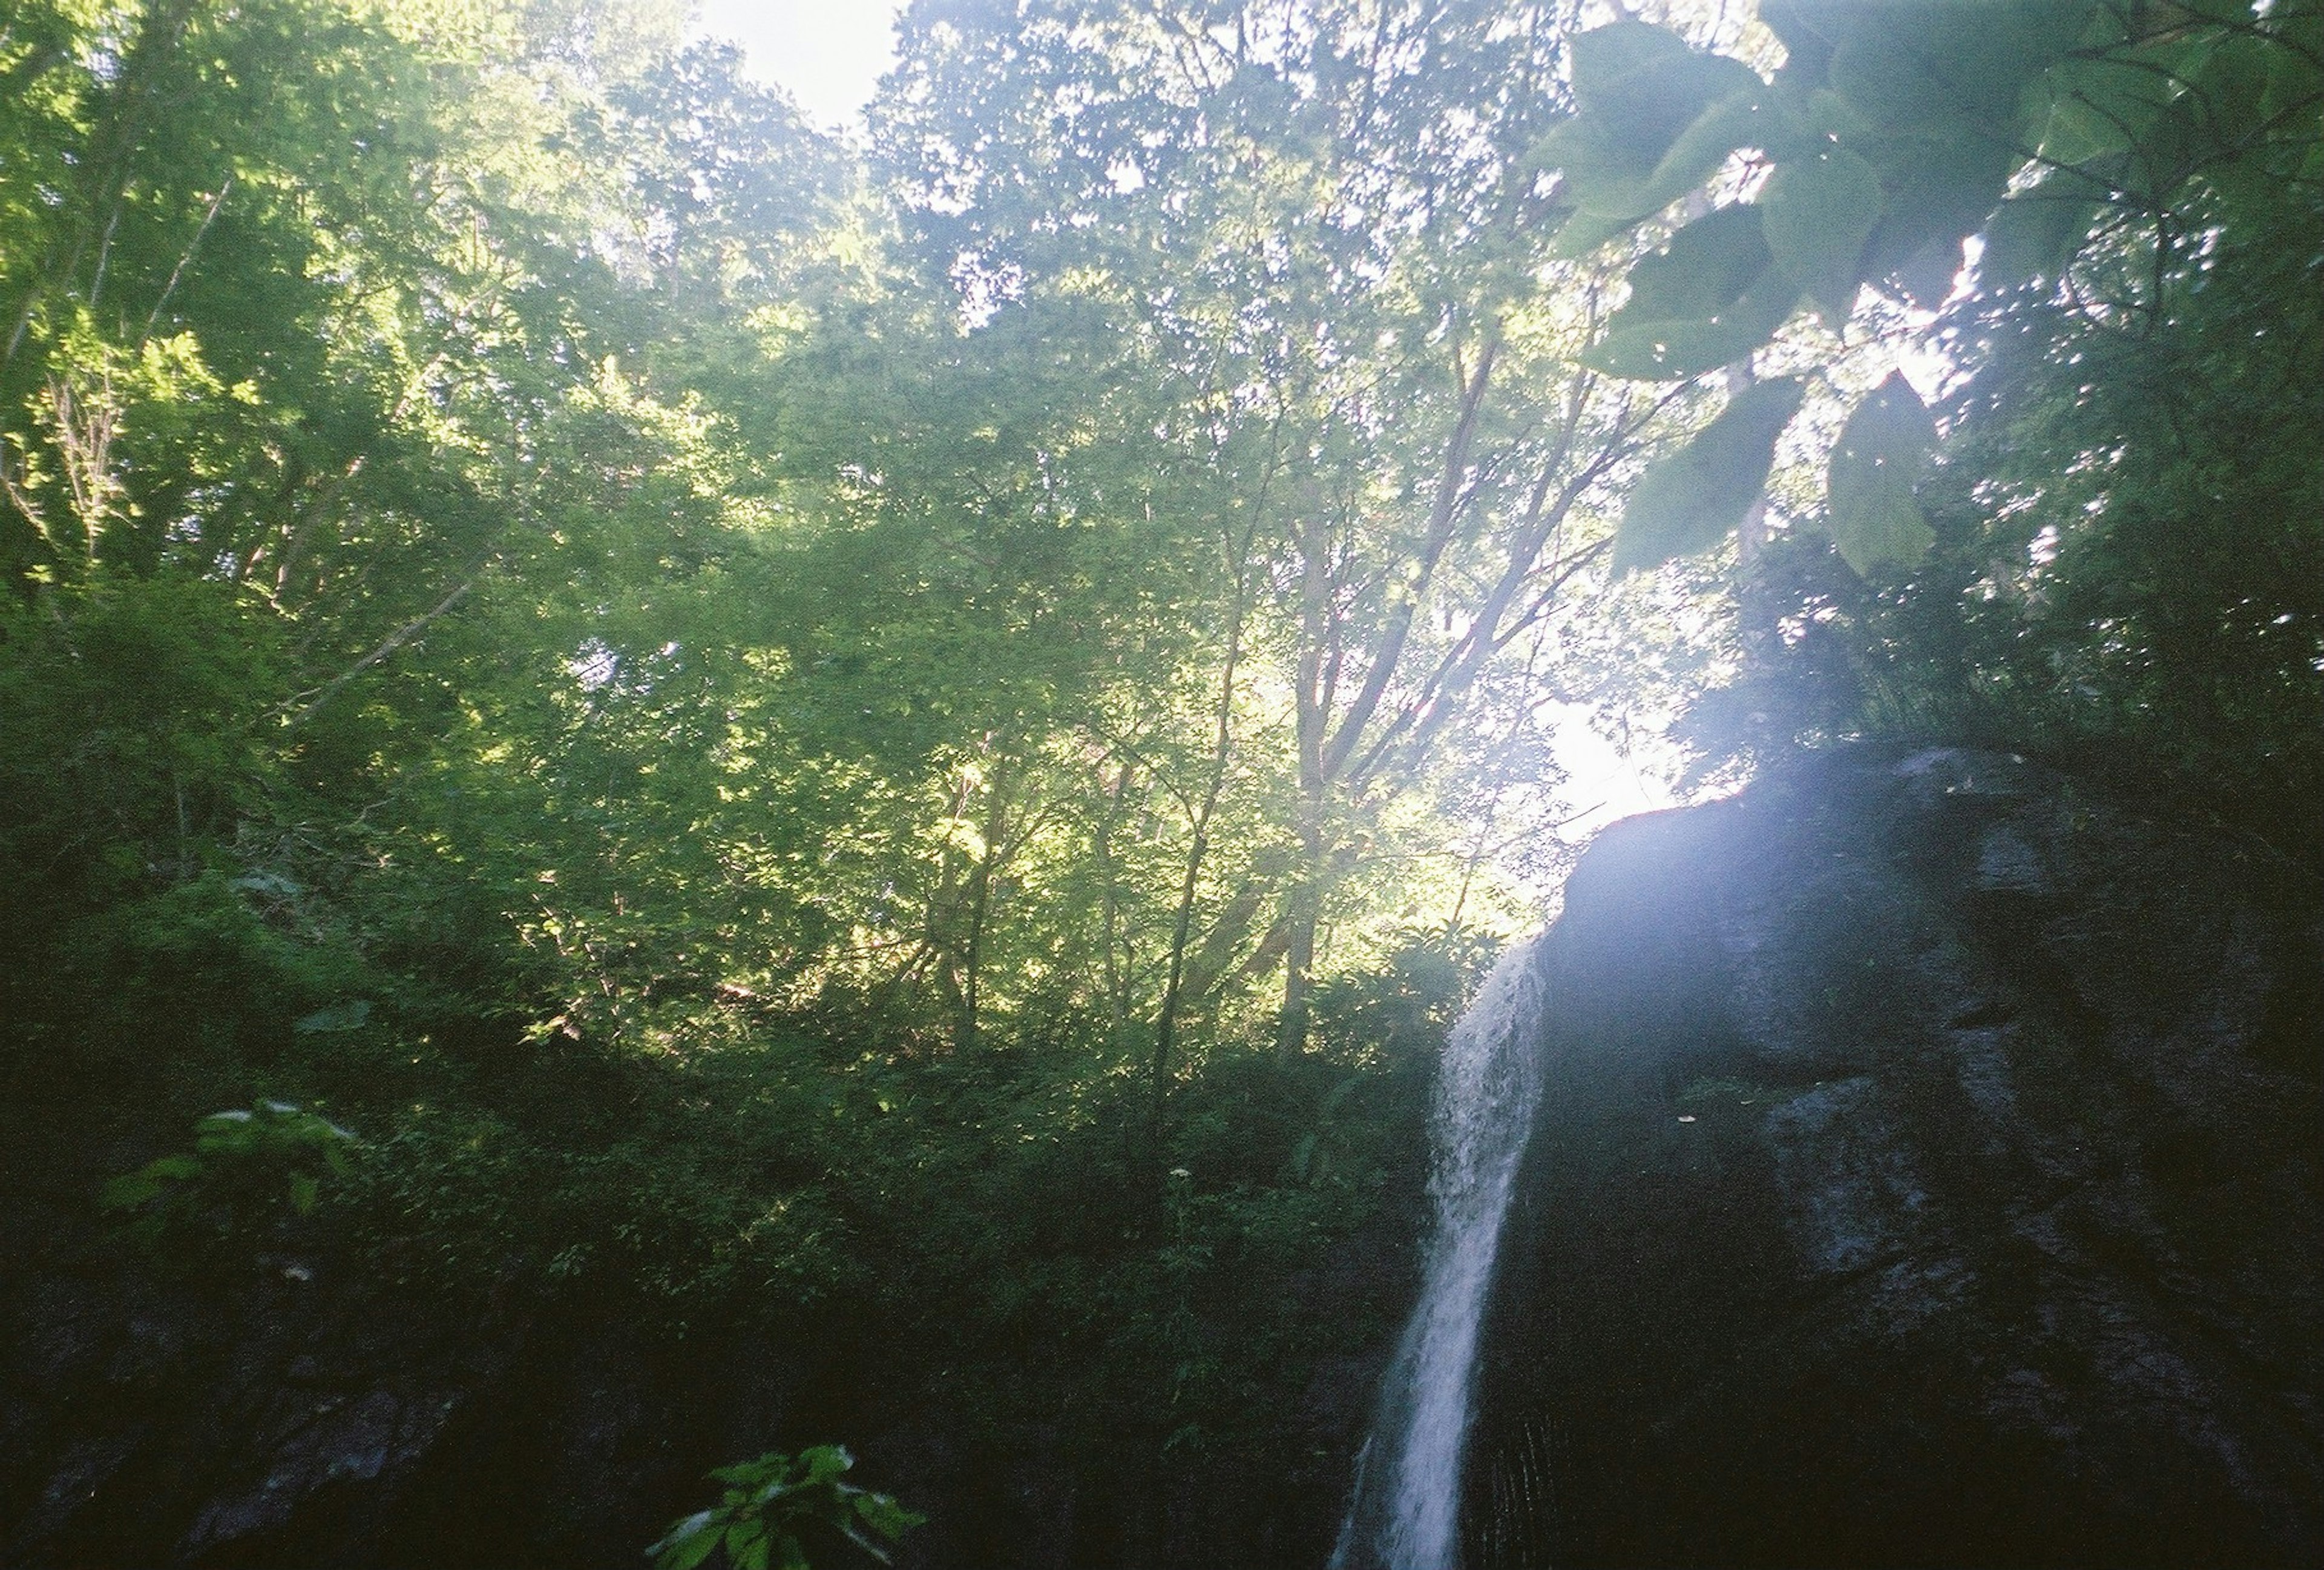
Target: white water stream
1407 1501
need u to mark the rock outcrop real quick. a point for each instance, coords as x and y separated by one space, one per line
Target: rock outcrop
1927 1174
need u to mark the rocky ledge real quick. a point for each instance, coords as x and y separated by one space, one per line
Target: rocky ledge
1927 1174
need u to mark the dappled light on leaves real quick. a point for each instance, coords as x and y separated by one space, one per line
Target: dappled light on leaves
909 745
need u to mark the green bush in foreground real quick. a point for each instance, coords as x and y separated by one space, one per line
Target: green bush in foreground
767 1503
245 1168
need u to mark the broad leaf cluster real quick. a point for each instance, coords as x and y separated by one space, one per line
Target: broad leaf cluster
1890 135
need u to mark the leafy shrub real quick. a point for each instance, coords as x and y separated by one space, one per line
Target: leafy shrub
245 1169
770 1501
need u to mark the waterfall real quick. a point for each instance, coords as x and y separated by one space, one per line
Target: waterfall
1407 1511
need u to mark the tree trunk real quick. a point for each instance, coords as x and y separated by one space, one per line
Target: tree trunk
1314 696
1166 1022
980 906
1303 913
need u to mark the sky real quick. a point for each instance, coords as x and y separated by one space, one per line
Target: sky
1601 783
827 54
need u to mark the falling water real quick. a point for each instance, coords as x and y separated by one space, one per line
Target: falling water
1406 1510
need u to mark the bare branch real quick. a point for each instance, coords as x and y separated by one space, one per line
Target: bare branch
394 641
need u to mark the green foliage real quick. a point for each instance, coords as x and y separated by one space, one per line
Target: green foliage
754 714
1895 133
771 1504
1655 119
1710 297
1689 500
1877 466
1817 212
245 1168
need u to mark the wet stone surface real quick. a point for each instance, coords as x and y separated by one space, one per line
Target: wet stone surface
1927 1173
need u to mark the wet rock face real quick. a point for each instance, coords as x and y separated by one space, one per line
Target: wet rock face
1928 1172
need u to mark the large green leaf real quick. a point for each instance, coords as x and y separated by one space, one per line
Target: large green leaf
2294 75
884 1516
1605 180
1687 501
2230 82
1655 120
825 1461
1583 233
1883 449
1816 213
689 1543
2033 235
1648 87
1949 63
1808 29
1711 297
1941 183
2102 106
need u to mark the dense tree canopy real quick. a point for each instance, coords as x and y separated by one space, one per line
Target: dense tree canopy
801 695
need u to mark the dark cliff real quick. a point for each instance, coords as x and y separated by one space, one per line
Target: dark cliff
1927 1173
